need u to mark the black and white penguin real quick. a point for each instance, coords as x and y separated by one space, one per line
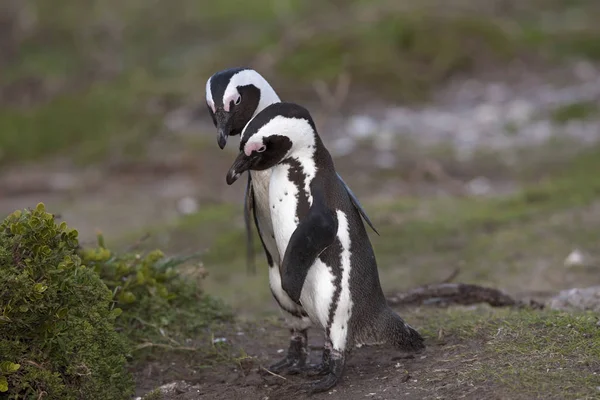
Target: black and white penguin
328 265
234 96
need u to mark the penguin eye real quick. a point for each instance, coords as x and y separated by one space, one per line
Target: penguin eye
238 100
261 148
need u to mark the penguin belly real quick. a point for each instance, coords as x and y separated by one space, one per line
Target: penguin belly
318 288
326 294
260 185
317 293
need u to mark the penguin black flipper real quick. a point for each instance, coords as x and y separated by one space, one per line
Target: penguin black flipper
357 204
316 232
249 208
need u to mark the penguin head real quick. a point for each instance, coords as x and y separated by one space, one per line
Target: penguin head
233 97
280 131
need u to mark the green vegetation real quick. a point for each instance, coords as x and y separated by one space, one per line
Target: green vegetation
521 353
575 111
156 394
86 124
160 304
89 78
71 316
57 334
497 240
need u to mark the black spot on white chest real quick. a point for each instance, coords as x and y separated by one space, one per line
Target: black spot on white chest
298 177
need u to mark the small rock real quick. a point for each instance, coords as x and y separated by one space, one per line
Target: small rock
187 205
580 299
174 388
479 186
575 259
219 340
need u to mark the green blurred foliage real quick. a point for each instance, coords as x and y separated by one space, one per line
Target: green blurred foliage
57 336
84 78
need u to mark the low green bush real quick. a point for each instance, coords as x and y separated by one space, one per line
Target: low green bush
160 303
57 333
70 316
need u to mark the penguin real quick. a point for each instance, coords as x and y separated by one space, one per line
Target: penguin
233 97
328 266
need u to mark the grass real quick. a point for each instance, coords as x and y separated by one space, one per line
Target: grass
575 111
520 353
85 126
516 242
97 67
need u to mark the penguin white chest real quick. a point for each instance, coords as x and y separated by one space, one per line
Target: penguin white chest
260 185
283 200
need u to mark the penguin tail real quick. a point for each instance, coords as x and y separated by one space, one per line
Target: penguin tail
400 334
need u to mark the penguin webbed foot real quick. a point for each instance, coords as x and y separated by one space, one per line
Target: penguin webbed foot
332 370
288 365
312 370
309 370
296 355
322 385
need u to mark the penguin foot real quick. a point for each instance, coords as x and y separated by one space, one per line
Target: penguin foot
323 385
332 370
309 370
288 365
296 355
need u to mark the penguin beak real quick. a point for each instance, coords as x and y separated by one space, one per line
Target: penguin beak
240 165
224 122
222 138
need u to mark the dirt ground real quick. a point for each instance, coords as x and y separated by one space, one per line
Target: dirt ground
446 369
377 372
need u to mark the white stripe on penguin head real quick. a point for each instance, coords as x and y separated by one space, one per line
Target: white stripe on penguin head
302 136
298 130
209 97
250 77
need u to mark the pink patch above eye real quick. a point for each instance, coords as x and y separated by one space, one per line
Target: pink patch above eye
227 101
250 147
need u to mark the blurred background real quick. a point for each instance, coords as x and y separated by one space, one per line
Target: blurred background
468 129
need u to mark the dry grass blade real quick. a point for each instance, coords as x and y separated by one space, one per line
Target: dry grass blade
273 373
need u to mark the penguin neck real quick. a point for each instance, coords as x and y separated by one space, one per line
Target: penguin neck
309 147
304 155
268 96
